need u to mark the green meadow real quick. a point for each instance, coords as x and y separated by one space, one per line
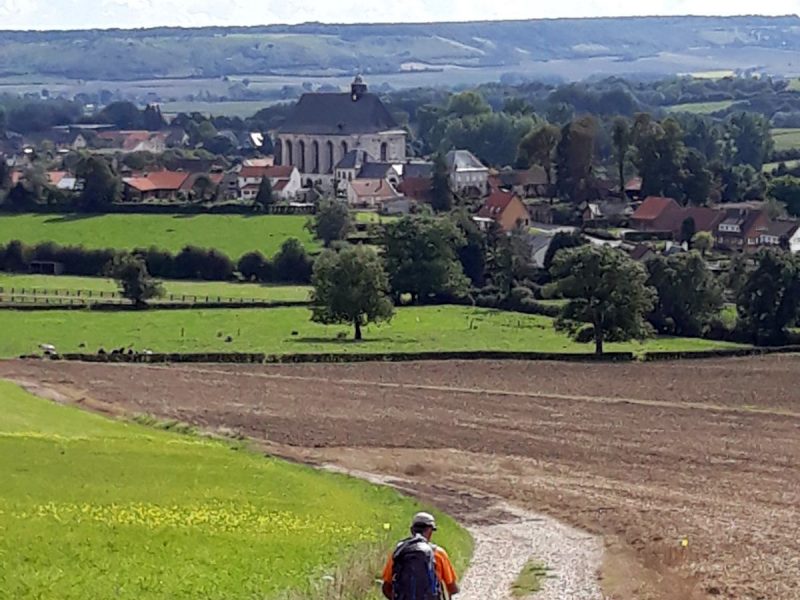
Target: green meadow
232 234
786 139
92 508
700 108
289 330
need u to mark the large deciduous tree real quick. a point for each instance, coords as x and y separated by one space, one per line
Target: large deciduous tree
350 286
769 297
574 157
751 138
688 295
659 155
605 288
422 258
331 223
101 187
441 194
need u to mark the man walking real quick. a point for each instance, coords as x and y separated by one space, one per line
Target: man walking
418 569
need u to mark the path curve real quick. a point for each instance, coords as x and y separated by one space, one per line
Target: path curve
506 538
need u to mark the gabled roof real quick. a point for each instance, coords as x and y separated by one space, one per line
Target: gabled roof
378 188
782 228
417 170
158 180
705 219
338 114
55 177
463 160
273 172
374 170
634 185
495 204
416 187
654 207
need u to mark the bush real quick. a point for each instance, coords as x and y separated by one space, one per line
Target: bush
585 335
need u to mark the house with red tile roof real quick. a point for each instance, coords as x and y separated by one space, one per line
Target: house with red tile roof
162 185
371 193
506 209
656 214
134 141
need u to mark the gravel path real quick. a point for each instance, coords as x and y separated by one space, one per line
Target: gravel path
507 538
503 549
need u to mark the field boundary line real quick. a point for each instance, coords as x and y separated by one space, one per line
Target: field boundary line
718 408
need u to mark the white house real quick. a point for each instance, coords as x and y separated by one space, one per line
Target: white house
285 180
467 174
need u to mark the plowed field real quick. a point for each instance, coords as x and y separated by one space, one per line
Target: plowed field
689 470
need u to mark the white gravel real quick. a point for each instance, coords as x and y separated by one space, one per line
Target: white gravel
502 550
511 539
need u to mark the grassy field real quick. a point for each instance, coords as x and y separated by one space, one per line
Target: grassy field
231 108
786 139
187 288
91 508
270 330
232 234
701 108
790 164
794 85
373 217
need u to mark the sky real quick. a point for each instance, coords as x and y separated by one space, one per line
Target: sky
85 14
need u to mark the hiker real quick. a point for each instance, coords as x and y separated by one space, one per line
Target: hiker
418 569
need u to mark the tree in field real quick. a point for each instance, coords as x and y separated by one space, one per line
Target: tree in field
252 266
508 259
350 286
134 281
688 295
621 138
123 114
538 147
605 288
421 256
331 223
441 194
769 298
265 197
101 187
703 242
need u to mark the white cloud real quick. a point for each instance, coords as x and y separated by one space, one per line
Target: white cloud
63 14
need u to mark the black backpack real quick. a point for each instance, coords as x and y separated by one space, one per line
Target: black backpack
414 570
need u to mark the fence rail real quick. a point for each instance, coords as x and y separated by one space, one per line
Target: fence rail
78 297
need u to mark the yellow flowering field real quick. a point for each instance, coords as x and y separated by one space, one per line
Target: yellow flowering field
93 508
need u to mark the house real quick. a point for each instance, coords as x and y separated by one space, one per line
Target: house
704 219
323 128
133 141
633 188
604 213
157 185
416 188
191 188
785 234
642 253
62 180
371 193
348 168
468 176
741 228
506 209
285 180
656 214
541 211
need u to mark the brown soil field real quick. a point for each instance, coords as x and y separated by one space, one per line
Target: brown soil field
645 455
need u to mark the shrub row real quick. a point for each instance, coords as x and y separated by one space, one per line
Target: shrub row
291 264
645 236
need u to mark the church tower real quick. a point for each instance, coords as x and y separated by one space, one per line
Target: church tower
358 88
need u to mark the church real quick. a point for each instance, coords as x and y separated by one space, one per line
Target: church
323 128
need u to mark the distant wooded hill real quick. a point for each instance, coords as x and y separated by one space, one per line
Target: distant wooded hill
599 46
